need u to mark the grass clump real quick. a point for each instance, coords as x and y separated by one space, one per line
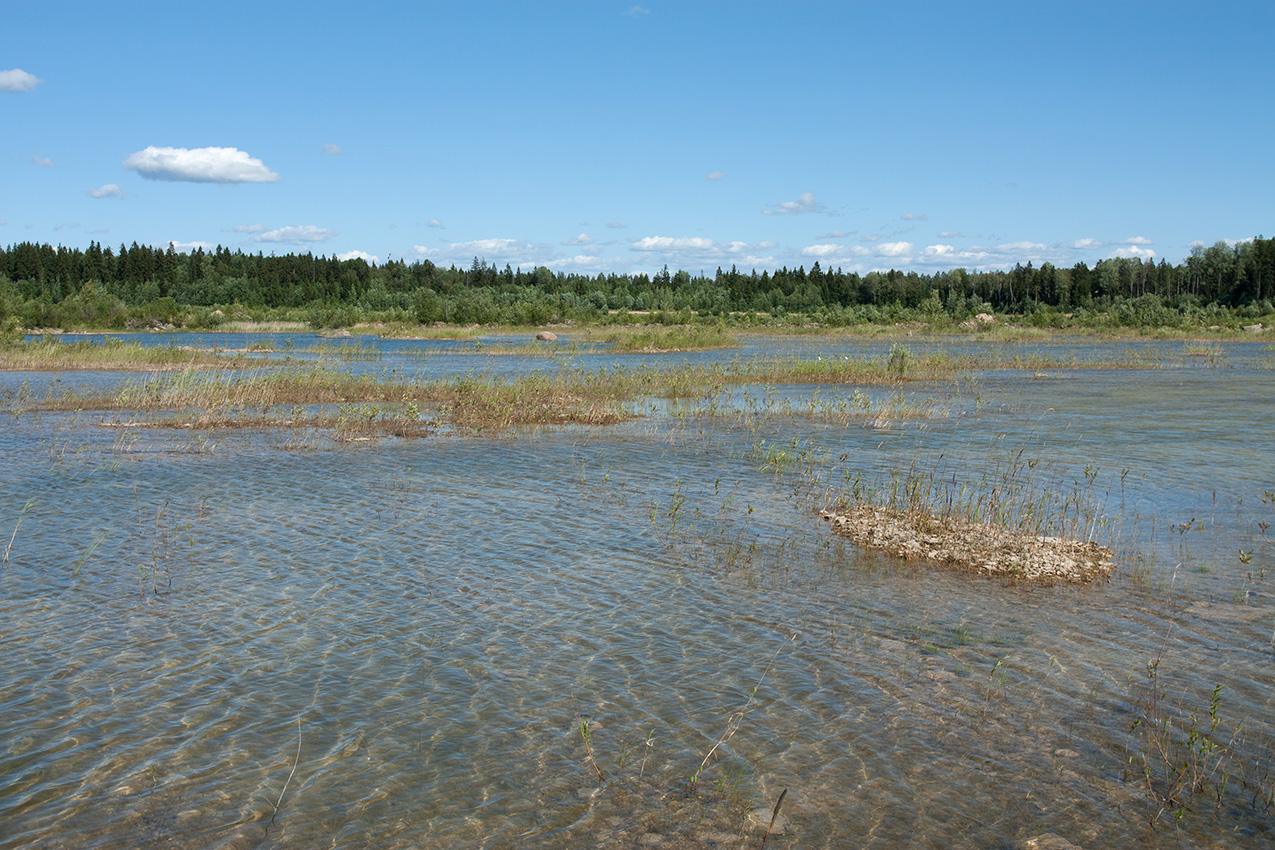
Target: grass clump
1018 521
660 340
51 354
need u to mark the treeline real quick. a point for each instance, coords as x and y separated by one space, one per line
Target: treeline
44 286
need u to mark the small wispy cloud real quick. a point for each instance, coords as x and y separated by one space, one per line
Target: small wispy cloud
714 176
637 11
108 190
836 234
199 165
435 223
18 80
1136 240
951 234
915 217
805 203
582 239
331 149
616 225
43 162
245 228
296 235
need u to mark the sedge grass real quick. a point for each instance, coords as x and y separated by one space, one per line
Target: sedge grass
565 396
648 340
114 354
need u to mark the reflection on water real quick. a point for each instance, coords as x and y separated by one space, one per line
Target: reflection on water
216 640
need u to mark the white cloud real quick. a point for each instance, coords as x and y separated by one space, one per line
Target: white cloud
835 234
1087 244
43 161
582 239
871 237
18 80
805 203
951 234
616 225
331 149
296 235
673 243
894 249
358 255
515 252
939 251
186 247
688 251
1131 251
199 165
435 223
1136 240
820 250
915 217
714 176
637 11
108 190
247 228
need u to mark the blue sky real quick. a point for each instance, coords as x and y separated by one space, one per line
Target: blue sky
615 137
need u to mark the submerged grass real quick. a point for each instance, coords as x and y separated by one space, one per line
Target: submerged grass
229 395
115 354
649 340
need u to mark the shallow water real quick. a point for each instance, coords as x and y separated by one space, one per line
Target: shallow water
396 644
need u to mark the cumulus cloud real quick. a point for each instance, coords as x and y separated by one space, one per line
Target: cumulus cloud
247 228
515 252
894 249
822 250
43 161
331 149
358 255
296 235
616 225
18 80
915 217
685 251
805 203
939 250
108 190
199 165
1086 244
435 223
1136 240
714 176
582 239
186 247
1132 251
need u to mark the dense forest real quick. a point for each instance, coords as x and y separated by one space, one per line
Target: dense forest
43 286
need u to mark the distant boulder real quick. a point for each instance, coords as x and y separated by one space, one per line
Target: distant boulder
547 336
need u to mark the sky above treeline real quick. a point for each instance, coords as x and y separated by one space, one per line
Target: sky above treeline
599 137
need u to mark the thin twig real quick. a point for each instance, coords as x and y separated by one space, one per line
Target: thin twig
774 814
289 779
